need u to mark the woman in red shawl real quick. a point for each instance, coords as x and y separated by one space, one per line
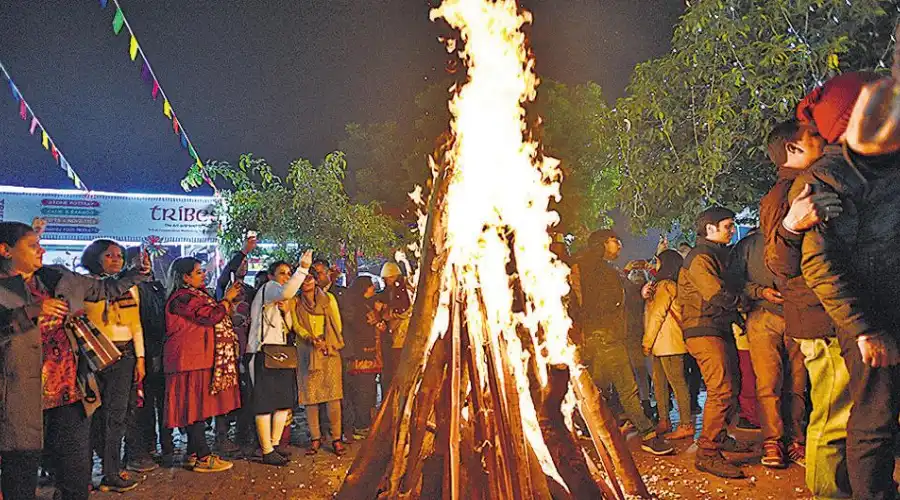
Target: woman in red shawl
200 360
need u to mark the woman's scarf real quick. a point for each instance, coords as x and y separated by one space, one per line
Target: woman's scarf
225 350
320 306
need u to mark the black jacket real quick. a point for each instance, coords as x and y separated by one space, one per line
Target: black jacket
848 262
749 272
601 292
708 304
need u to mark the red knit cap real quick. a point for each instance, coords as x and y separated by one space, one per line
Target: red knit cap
829 106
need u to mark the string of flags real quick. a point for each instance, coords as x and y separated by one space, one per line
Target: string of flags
25 112
197 173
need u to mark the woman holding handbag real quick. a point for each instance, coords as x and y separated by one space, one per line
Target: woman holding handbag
200 360
274 358
45 402
319 369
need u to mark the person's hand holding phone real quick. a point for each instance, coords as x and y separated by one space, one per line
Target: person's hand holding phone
306 259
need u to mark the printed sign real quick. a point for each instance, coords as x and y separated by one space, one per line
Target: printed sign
128 218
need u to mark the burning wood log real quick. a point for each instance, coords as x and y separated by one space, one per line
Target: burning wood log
464 413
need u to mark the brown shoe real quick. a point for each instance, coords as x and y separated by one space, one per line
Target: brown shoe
681 432
773 455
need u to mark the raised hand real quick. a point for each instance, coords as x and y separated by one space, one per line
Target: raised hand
306 259
250 244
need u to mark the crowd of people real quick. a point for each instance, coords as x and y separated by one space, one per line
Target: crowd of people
793 328
93 361
792 331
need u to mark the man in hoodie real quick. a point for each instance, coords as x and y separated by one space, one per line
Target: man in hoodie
843 261
708 309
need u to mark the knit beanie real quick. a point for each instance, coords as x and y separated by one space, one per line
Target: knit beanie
829 106
390 269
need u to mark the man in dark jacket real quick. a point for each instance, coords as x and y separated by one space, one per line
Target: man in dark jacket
793 148
600 290
843 261
777 360
708 309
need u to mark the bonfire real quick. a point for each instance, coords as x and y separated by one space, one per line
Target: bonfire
486 399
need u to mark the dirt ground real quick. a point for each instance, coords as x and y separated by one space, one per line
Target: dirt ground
320 476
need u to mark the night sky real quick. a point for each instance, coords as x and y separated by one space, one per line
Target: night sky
276 78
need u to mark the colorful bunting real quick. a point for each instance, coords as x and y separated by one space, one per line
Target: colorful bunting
103 4
118 21
147 74
46 141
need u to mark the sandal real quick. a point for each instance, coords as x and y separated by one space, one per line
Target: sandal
339 448
314 446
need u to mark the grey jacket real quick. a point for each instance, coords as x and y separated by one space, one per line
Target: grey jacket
21 412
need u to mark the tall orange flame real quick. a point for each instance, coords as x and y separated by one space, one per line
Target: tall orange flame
498 199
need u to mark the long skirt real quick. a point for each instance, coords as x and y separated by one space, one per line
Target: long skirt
188 398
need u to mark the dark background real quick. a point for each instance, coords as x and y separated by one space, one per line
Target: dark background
276 78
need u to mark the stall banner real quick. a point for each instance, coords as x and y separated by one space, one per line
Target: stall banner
127 218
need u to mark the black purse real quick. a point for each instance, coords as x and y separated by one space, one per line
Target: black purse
277 357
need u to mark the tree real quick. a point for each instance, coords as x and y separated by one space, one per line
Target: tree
377 152
699 115
581 130
308 208
388 160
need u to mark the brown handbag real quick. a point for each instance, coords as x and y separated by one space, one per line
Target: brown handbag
280 357
277 357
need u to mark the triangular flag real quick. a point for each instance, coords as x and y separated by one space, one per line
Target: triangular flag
34 123
145 71
63 164
15 91
167 108
103 3
155 91
175 126
191 151
118 21
23 112
183 140
133 48
45 139
54 152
